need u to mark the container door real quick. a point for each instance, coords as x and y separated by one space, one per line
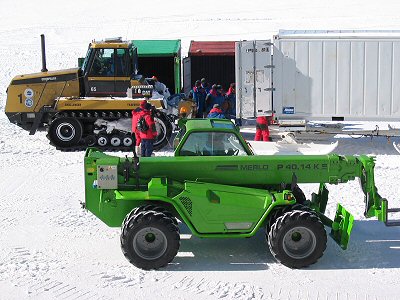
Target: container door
253 70
187 76
263 78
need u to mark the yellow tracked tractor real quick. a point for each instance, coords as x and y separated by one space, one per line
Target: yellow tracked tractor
76 106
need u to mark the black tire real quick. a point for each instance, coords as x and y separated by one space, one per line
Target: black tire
149 240
148 207
280 211
64 132
164 132
297 239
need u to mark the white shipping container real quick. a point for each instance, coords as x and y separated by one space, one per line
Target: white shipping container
337 75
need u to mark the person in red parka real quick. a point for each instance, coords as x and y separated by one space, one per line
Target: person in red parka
135 119
262 131
147 136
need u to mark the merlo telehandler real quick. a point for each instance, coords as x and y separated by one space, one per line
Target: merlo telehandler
219 189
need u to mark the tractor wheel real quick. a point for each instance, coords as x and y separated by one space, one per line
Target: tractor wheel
64 132
164 130
297 239
150 240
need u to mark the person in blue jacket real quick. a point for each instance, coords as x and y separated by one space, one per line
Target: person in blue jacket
216 113
199 96
215 97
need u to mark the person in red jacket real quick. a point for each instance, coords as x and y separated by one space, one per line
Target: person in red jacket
147 136
135 119
262 131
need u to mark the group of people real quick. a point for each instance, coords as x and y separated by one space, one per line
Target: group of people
212 101
144 128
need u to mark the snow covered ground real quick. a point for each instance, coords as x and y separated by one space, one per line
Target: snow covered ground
52 249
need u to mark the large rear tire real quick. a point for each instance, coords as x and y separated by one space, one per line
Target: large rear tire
297 239
149 239
280 211
164 130
65 132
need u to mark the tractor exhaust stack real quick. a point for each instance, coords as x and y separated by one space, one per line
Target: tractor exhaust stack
44 69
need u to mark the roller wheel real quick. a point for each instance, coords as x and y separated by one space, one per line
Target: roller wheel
115 141
297 239
90 140
127 140
102 140
149 239
64 132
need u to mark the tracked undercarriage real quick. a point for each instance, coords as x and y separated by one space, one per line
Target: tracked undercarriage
108 130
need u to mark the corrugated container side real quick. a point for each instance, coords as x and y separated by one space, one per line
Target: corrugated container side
325 78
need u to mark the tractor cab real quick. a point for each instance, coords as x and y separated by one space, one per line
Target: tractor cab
110 68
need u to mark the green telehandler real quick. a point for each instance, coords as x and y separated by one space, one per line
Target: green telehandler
219 189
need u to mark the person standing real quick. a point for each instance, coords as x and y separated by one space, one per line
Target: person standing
199 96
147 130
215 96
205 85
262 131
229 106
135 131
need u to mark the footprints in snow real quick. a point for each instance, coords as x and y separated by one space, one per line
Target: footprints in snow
220 289
31 270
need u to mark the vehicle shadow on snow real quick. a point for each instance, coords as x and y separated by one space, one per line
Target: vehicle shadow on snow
366 145
372 245
222 254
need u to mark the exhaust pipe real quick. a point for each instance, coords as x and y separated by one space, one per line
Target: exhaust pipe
44 69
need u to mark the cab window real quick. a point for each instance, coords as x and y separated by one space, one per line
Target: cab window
122 64
212 144
103 64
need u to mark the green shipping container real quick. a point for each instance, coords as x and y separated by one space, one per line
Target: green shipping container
161 58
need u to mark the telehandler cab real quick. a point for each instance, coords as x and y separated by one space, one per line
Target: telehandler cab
219 189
